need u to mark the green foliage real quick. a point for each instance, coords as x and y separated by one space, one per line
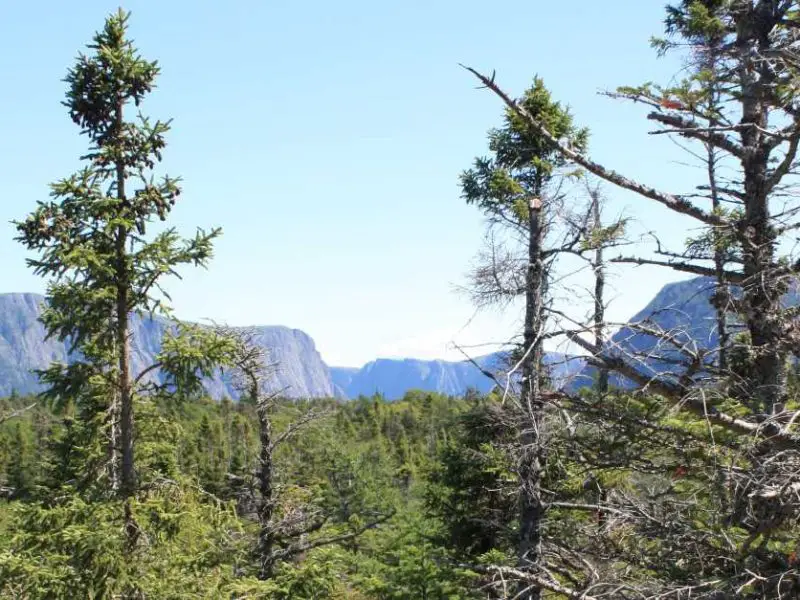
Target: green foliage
77 549
406 563
522 162
194 524
472 485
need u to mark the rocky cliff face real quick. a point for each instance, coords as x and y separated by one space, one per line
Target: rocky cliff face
683 309
682 306
23 348
393 377
22 344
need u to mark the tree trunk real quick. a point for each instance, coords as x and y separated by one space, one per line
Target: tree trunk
266 536
113 444
128 472
532 452
599 268
721 297
763 289
599 293
721 289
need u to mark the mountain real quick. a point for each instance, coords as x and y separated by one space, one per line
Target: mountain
682 306
301 370
393 377
683 309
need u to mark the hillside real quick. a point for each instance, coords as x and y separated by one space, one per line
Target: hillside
301 370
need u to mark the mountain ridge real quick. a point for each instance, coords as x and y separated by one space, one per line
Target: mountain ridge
303 372
23 348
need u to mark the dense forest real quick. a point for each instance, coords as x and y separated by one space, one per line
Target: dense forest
674 474
349 516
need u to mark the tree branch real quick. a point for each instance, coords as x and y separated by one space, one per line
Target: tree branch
767 431
301 547
532 578
731 276
16 413
692 129
671 201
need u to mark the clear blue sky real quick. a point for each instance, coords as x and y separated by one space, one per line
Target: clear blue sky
326 138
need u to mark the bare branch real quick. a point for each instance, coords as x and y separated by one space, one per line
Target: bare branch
692 129
16 413
522 576
731 276
671 201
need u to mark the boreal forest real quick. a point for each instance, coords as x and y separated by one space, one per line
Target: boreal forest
653 459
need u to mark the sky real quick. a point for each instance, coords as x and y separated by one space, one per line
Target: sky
327 139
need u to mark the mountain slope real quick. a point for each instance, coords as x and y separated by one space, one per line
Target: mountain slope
684 310
393 377
23 348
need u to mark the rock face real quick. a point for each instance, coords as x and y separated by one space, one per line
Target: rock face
393 377
682 306
22 344
301 371
684 310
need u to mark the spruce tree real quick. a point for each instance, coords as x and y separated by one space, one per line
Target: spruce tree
91 242
513 189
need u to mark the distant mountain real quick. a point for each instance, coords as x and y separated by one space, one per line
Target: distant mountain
681 306
393 377
683 309
342 379
301 370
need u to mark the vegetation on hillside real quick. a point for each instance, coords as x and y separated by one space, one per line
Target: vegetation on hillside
675 476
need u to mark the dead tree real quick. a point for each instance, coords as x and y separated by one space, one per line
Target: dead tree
758 134
758 58
525 194
532 446
282 535
513 190
252 374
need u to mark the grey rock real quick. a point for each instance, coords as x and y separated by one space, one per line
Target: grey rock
392 378
23 348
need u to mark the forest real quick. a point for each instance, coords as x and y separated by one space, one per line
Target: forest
673 474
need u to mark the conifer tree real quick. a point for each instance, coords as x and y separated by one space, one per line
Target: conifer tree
512 188
20 477
92 245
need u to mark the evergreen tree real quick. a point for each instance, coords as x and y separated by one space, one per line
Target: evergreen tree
512 188
92 245
20 472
